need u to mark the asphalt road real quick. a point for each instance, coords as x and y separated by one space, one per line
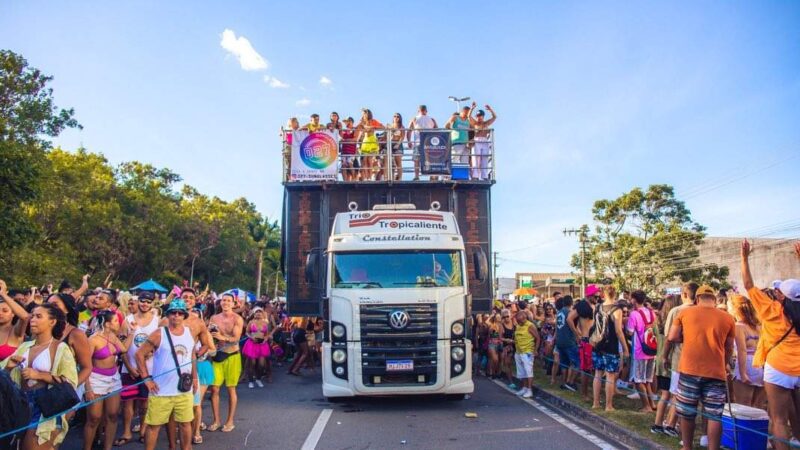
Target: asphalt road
292 413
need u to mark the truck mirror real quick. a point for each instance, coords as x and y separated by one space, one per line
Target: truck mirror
480 263
312 266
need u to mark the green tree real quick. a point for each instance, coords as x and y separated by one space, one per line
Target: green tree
646 240
28 117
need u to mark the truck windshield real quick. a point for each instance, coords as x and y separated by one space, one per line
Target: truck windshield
403 269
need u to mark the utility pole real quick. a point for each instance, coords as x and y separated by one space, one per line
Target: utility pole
258 269
583 234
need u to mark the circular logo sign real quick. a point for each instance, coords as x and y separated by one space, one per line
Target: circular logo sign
398 320
435 140
318 150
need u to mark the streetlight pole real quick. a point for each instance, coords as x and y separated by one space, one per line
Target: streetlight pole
582 233
258 281
458 101
194 258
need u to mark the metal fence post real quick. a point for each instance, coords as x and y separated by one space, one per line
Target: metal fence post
387 168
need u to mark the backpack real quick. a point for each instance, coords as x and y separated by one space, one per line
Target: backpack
648 337
600 330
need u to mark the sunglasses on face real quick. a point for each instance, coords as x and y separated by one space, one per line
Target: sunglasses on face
145 301
174 313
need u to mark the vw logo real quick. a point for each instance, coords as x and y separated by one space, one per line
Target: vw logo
398 320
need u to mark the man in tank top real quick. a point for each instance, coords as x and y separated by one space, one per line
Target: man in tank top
165 397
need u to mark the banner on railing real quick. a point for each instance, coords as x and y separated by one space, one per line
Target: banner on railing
435 152
314 155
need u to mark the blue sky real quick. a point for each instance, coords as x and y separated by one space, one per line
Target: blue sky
592 98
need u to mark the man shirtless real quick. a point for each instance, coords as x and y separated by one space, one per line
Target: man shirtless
580 320
226 329
482 151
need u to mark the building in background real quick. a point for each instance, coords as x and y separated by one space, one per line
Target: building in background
772 259
548 282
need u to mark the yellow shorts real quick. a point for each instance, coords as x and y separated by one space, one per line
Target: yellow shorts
228 371
160 408
369 146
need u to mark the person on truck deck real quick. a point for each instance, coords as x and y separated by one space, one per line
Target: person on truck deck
348 150
334 124
314 125
459 123
422 121
369 142
480 157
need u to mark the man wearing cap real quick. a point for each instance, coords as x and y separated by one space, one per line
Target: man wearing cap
707 334
422 121
165 398
141 323
778 348
580 320
480 157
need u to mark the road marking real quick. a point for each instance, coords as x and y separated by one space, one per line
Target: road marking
316 431
247 437
582 432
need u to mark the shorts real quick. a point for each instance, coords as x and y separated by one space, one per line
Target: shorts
497 348
778 378
205 373
131 390
160 408
662 383
642 370
524 365
606 362
228 371
673 382
36 413
755 374
585 355
570 357
105 384
693 390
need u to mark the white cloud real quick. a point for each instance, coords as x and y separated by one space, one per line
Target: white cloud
303 102
275 83
325 81
241 48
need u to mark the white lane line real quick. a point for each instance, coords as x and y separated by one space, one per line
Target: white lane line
582 432
316 431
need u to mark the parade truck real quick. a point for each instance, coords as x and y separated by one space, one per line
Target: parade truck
395 269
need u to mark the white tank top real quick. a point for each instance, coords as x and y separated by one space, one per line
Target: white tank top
421 123
139 337
164 372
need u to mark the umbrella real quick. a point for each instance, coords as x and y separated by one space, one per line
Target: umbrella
241 294
149 285
525 291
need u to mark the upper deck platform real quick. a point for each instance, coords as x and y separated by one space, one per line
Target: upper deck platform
358 156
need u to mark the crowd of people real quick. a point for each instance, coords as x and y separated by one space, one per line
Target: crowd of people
145 357
364 144
704 347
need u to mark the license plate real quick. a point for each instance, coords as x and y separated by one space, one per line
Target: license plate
399 365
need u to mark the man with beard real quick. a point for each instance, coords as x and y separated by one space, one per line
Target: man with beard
141 324
226 329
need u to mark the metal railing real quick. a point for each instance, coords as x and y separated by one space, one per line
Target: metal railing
358 160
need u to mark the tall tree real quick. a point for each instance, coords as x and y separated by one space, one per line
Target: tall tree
28 118
646 240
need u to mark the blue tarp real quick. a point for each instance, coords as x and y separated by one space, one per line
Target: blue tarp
149 285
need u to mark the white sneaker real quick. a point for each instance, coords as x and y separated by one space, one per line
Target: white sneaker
634 396
522 391
259 383
528 394
703 441
250 385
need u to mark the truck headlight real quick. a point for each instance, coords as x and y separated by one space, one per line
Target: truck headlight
339 356
457 329
457 353
338 331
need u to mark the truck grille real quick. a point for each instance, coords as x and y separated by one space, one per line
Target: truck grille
381 343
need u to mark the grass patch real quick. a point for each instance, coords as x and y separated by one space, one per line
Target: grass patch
627 411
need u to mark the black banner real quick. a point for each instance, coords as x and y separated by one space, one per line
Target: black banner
435 152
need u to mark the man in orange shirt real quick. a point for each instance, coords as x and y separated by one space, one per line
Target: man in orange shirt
707 334
778 349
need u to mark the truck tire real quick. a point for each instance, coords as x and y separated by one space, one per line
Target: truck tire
454 397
